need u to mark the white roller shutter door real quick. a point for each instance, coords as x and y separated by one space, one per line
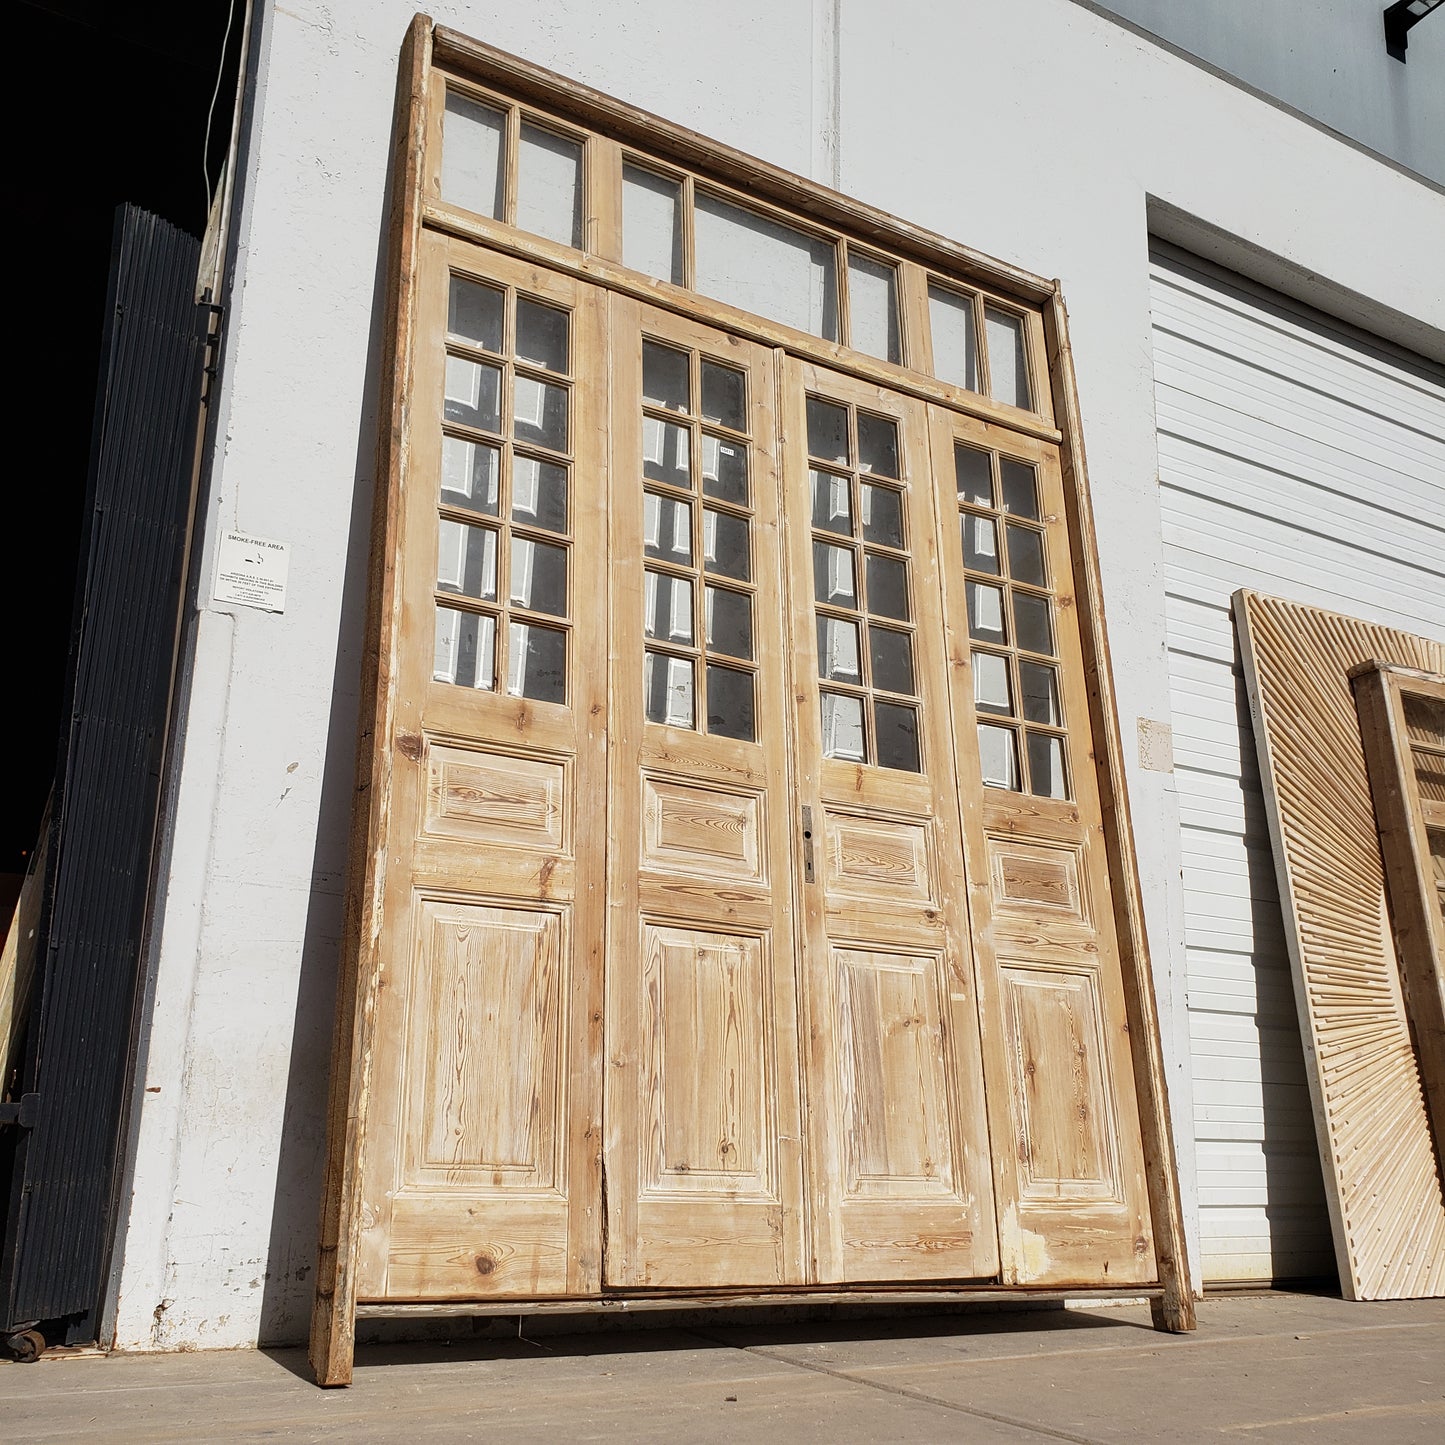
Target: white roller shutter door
1299 457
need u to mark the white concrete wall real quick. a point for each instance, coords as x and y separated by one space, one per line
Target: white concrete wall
1035 130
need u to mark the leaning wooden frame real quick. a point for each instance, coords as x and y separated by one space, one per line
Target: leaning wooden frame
932 415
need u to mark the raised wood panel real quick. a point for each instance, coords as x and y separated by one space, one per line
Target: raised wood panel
702 830
489 797
1027 877
1065 1115
443 1250
877 857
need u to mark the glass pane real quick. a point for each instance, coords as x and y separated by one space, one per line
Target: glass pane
665 456
466 649
980 542
998 756
470 475
843 727
467 560
1429 774
724 468
765 267
877 445
539 577
897 736
472 150
828 431
1032 629
539 493
539 413
473 394
665 377
991 689
833 576
667 528
975 476
725 545
873 308
1046 766
549 187
474 314
667 607
838 650
537 662
1020 488
729 622
652 224
985 612
955 346
724 396
1008 363
887 587
882 515
1424 719
541 334
832 509
891 654
1026 555
730 703
1040 688
667 689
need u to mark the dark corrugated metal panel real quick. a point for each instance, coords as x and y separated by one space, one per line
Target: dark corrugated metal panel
108 780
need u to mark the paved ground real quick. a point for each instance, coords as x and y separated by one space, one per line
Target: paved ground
1277 1367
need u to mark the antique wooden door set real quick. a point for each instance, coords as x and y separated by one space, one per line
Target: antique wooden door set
743 902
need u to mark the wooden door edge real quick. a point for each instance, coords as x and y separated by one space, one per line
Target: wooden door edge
333 1315
1174 1310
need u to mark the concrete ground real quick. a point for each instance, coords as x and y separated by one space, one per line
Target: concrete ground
1271 1367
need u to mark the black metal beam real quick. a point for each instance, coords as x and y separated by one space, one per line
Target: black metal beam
1400 19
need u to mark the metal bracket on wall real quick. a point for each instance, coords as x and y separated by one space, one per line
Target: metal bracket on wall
1400 19
21 1115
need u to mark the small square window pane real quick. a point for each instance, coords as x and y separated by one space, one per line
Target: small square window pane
549 186
1040 688
828 431
724 469
1032 628
843 727
667 688
667 607
1424 719
473 394
991 689
891 655
539 577
1008 362
667 528
955 344
474 314
724 396
541 334
1020 488
998 755
665 377
1026 555
980 543
1047 778
887 587
730 703
539 493
985 613
467 560
665 452
882 509
838 650
896 729
473 143
974 471
729 622
652 224
832 507
873 308
833 576
539 413
470 475
466 649
877 445
725 545
537 662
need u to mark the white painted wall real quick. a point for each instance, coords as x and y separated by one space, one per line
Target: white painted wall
1034 129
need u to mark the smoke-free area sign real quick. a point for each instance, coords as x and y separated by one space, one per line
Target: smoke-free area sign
252 571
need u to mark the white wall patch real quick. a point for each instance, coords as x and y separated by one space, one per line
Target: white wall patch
252 571
1156 745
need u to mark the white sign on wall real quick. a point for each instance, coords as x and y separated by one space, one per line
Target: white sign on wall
252 571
